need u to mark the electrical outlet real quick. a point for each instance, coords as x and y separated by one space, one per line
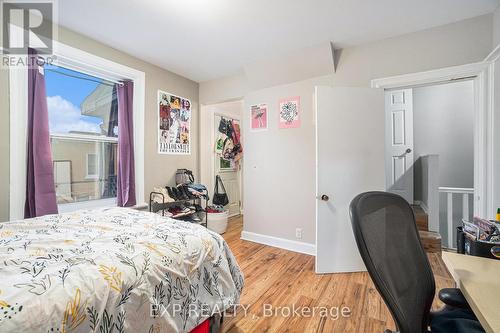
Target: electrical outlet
298 233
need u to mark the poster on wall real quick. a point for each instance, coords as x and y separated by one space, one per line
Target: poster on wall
174 122
258 115
289 112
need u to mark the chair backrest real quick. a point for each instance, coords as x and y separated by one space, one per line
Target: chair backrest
388 240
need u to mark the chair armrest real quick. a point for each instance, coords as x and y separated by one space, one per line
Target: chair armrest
453 297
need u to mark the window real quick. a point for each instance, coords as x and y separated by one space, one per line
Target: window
71 58
92 167
83 123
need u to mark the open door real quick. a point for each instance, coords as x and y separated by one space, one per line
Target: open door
350 160
399 142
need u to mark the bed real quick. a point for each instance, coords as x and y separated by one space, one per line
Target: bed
113 270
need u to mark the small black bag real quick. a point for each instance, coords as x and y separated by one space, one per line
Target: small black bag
226 127
223 126
220 196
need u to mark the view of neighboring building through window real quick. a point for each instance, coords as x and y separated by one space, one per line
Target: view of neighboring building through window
83 121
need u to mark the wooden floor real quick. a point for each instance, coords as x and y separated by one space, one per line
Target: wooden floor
282 278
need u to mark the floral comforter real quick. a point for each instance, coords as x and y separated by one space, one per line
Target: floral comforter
112 270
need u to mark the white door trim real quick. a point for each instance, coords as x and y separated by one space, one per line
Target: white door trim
482 73
494 55
88 63
432 76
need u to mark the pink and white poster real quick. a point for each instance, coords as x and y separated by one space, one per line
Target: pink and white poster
289 112
258 114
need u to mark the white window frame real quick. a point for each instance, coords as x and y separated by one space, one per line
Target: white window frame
87 174
87 63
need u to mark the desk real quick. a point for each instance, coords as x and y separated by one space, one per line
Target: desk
479 280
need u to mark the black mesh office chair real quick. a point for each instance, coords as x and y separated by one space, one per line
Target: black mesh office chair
387 238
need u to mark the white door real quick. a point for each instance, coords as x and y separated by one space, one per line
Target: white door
229 175
231 183
350 160
62 179
399 142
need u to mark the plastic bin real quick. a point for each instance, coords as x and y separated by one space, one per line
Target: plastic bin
217 222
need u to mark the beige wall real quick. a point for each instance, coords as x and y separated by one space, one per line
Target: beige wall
159 169
279 164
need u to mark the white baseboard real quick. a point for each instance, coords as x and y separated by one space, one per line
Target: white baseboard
286 244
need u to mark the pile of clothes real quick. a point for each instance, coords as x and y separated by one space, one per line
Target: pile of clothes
228 144
214 209
181 192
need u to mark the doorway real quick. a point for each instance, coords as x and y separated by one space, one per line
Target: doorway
228 170
211 163
430 152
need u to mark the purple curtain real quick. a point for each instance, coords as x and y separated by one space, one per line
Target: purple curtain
40 188
126 171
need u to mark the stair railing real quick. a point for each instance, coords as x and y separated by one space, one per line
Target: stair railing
466 209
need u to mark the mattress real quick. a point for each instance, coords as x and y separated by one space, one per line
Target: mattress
113 270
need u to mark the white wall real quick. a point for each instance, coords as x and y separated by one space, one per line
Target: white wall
279 179
443 124
426 170
453 44
496 27
280 164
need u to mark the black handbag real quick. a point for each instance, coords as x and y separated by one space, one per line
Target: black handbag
220 196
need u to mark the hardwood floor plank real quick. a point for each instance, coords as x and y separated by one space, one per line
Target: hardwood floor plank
279 278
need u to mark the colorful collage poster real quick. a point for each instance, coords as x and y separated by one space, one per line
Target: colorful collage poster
289 112
258 115
174 122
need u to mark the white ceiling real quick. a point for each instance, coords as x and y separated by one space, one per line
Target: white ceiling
208 39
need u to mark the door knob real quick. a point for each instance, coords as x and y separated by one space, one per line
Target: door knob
324 197
407 151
